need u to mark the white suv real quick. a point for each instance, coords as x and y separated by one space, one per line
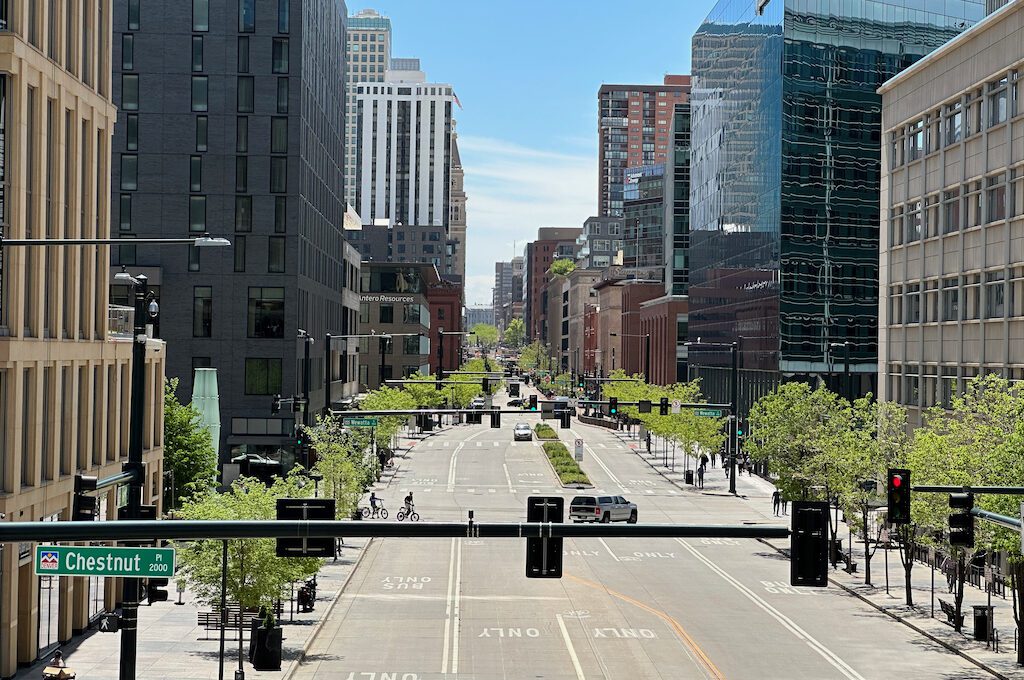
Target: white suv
602 509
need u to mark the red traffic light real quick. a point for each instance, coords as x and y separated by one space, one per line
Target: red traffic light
897 481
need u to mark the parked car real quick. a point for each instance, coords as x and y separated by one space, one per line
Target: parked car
602 509
478 402
522 431
515 403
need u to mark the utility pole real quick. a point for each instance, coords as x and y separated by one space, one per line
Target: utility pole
307 340
327 374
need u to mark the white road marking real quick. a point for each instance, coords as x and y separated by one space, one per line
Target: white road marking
568 646
451 465
601 463
448 608
492 491
495 443
602 445
614 556
535 491
457 622
786 622
429 444
481 443
437 598
470 490
508 478
447 443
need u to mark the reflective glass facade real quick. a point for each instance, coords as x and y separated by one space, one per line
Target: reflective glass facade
785 175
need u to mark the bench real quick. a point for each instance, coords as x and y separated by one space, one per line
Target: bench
950 612
210 621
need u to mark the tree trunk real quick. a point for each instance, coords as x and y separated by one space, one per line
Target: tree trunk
1017 584
908 540
958 594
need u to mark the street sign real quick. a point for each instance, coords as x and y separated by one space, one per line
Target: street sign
73 560
303 509
677 407
708 412
109 623
359 422
579 450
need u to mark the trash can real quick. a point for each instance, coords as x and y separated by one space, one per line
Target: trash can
689 476
836 553
267 650
982 618
357 514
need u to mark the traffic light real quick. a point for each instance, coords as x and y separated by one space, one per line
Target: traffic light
83 508
154 590
643 406
275 405
898 495
808 544
961 524
563 419
613 405
663 406
495 419
533 402
581 383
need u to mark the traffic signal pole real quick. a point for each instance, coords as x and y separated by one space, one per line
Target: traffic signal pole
734 419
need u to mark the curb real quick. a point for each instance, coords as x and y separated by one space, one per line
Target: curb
671 481
294 665
895 617
544 454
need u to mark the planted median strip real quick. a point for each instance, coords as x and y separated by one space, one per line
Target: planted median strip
545 431
567 469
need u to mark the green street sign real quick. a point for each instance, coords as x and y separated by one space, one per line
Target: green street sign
359 422
73 560
708 412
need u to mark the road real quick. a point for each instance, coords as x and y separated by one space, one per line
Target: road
419 609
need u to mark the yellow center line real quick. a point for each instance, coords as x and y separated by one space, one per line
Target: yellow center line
711 668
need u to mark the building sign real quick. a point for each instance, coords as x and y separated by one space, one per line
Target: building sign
386 298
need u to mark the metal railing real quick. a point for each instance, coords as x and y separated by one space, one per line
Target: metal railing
120 321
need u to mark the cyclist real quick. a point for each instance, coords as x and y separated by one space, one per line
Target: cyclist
374 504
408 504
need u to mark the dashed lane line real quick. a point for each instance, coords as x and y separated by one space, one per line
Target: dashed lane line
572 651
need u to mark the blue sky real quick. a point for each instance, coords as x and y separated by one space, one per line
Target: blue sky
527 74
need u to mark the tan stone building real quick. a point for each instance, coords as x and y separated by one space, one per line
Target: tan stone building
64 368
952 216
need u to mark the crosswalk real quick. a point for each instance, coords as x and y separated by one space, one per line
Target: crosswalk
513 444
462 488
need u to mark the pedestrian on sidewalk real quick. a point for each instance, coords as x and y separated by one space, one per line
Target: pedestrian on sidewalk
785 502
648 443
714 455
747 464
725 466
700 477
703 460
776 502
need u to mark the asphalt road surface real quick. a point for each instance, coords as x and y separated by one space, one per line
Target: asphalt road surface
419 609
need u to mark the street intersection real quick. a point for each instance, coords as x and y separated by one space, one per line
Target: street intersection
419 609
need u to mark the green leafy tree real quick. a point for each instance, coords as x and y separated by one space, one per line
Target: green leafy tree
388 399
534 357
344 461
562 267
188 450
486 335
256 575
515 334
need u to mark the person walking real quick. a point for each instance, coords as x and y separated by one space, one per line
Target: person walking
700 477
648 443
784 504
776 502
703 460
714 454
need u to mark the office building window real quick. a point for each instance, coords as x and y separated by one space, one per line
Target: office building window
193 258
995 197
133 16
951 211
282 95
245 94
243 54
387 314
278 135
200 15
262 376
130 91
129 172
266 312
125 222
239 244
195 173
280 213
950 300
131 131
197 214
995 295
241 173
200 93
202 127
202 312
246 16
243 213
279 55
997 102
197 53
411 344
278 174
127 52
364 312
275 255
283 7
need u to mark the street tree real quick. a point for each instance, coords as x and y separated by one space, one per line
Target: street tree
486 335
515 334
188 450
344 462
256 575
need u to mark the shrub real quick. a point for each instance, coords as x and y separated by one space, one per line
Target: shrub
544 431
565 466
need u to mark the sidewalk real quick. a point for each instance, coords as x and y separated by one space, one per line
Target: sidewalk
171 645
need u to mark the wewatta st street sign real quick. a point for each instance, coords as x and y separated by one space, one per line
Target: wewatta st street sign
73 560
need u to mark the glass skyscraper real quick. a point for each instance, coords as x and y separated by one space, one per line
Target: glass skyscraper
784 193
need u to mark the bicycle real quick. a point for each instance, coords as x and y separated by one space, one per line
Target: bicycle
382 512
402 514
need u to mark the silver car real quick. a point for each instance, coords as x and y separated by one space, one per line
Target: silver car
523 432
602 509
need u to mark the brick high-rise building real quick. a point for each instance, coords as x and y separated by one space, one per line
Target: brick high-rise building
635 129
552 243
